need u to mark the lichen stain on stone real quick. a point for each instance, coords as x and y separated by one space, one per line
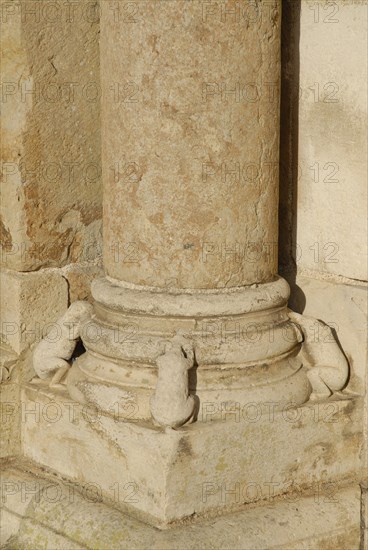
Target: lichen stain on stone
89 213
157 219
221 466
185 448
6 241
350 407
322 452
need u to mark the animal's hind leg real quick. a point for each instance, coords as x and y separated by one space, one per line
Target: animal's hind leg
320 389
62 369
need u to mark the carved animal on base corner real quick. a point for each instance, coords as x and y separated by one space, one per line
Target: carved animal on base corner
51 358
171 405
328 368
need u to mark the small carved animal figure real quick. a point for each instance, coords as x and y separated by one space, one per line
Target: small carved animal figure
50 358
171 405
328 366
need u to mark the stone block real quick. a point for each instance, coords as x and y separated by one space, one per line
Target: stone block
47 512
30 305
230 458
80 277
51 190
9 405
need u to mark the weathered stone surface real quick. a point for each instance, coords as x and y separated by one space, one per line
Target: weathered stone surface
51 358
328 367
171 405
80 276
190 172
364 516
236 453
245 346
332 188
190 152
51 188
10 414
29 305
344 307
54 514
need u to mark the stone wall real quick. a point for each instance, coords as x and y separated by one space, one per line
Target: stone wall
323 206
50 227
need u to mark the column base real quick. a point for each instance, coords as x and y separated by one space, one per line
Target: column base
246 348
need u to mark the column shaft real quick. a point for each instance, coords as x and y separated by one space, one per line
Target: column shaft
190 142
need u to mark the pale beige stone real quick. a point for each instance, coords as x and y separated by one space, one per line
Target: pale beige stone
236 453
245 346
18 491
51 186
177 147
60 516
171 405
10 414
364 516
7 362
328 366
190 153
344 307
55 517
332 185
50 191
190 249
30 303
80 276
51 356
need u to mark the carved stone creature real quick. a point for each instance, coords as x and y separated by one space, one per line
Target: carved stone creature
171 405
5 372
328 367
50 358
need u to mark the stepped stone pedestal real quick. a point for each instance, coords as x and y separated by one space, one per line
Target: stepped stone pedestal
226 459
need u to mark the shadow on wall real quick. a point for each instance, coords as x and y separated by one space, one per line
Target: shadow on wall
290 69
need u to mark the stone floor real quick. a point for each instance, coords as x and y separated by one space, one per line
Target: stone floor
41 512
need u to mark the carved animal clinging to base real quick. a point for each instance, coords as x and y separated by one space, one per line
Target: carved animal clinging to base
51 358
328 367
171 405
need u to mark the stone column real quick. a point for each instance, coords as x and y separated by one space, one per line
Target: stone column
190 134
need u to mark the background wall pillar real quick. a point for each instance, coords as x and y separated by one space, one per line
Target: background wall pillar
50 211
